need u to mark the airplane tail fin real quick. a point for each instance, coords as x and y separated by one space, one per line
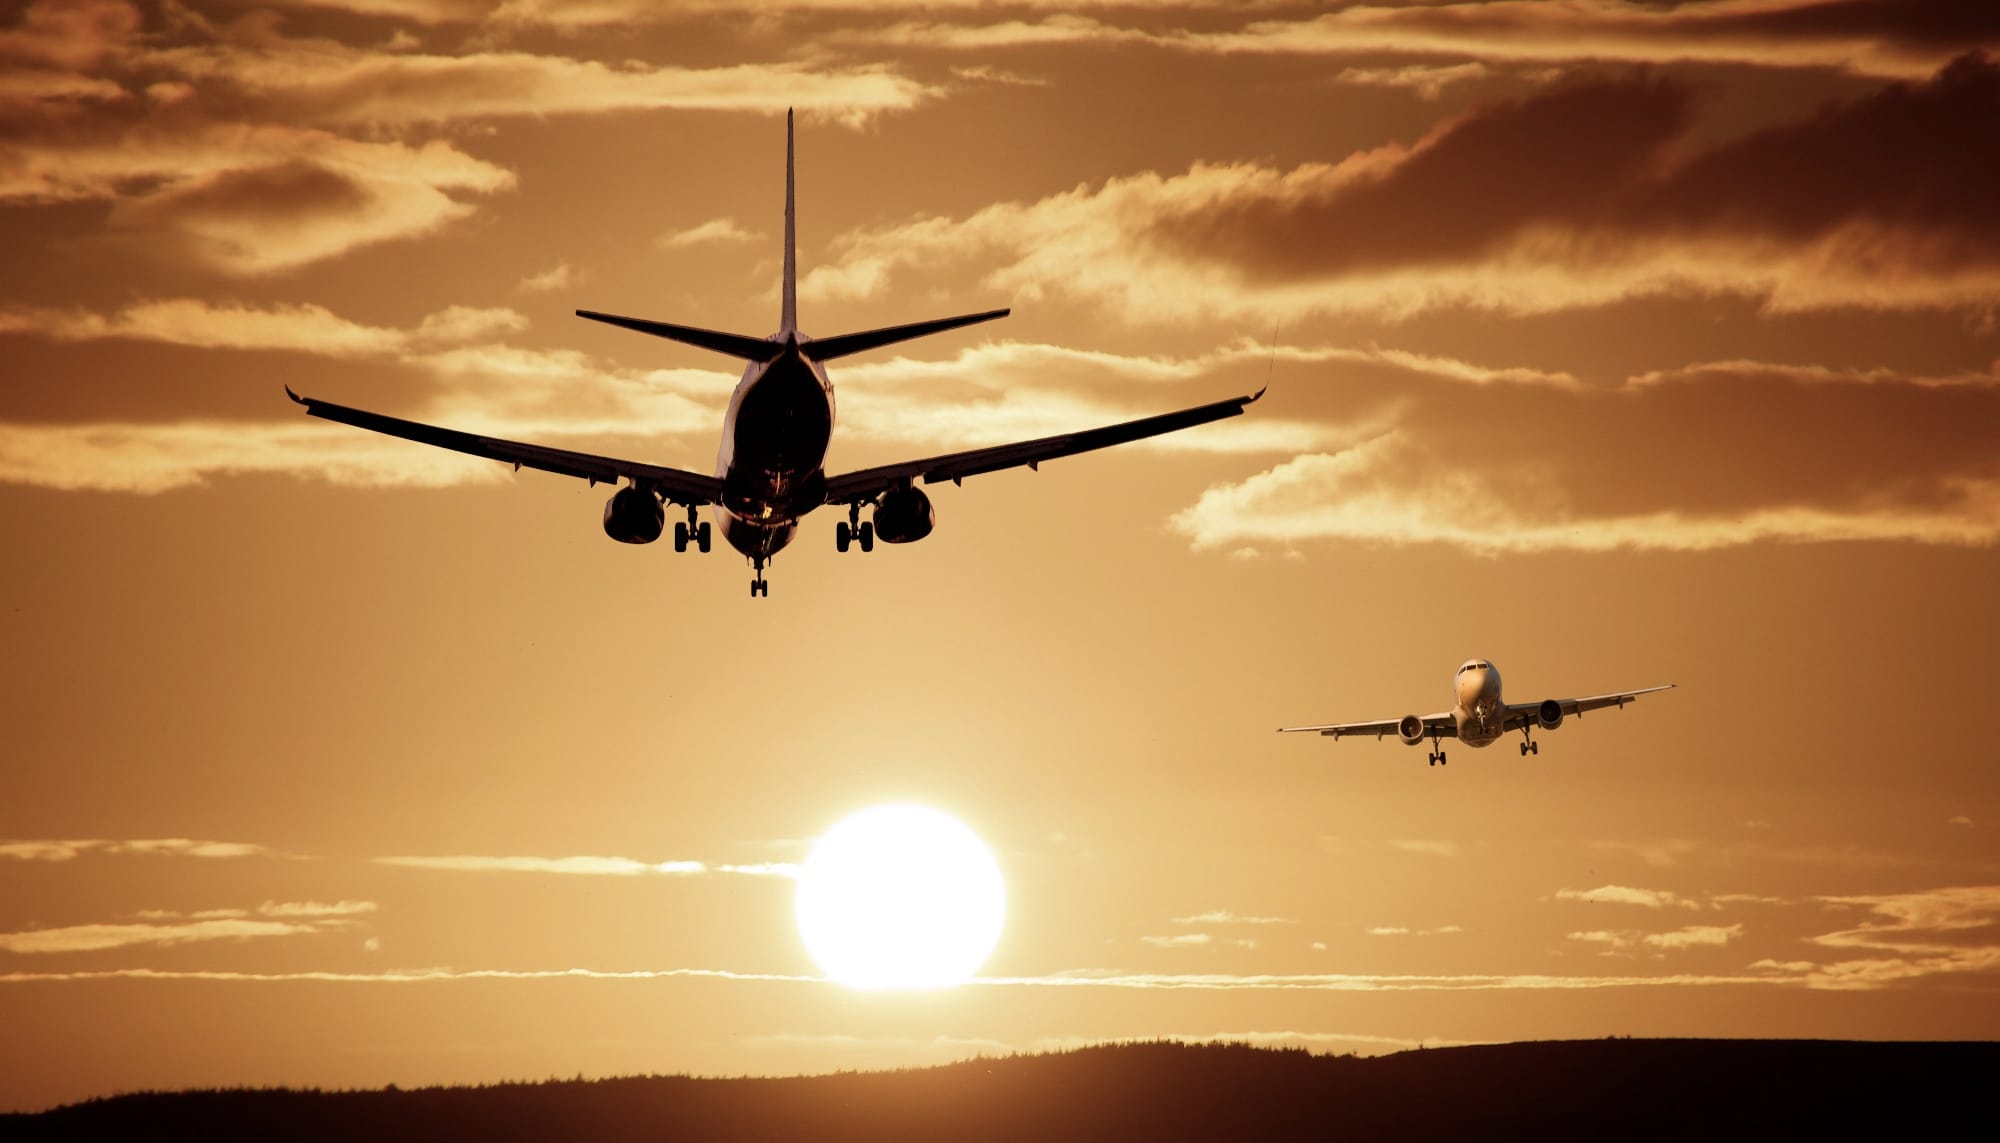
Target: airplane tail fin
767 349
788 316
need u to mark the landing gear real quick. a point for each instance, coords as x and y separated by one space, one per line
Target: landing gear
1437 758
695 531
1528 743
853 530
760 586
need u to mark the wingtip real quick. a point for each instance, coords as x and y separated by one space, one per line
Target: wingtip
294 396
1257 396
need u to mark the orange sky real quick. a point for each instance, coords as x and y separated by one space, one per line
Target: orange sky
1623 345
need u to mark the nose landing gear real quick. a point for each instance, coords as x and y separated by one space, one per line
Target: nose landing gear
760 585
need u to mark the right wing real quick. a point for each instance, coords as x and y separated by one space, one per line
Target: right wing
1440 725
865 483
674 484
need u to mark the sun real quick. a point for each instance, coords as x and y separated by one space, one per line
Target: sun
900 896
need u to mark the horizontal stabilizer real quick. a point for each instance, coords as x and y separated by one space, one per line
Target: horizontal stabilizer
733 344
828 348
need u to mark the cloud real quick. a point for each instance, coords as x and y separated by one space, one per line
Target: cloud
1426 81
1866 37
315 908
1928 933
45 850
715 230
1582 193
1427 848
1402 931
1626 940
560 276
254 152
1958 820
589 866
1176 982
91 938
1449 482
1625 895
305 328
1178 941
1225 917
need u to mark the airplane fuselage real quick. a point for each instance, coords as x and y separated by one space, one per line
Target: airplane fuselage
1479 711
773 454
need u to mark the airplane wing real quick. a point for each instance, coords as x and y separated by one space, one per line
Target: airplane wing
867 483
1442 725
674 484
1521 712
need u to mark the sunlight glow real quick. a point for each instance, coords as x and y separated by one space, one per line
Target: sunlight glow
900 896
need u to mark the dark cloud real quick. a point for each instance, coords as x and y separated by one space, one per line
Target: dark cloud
1588 167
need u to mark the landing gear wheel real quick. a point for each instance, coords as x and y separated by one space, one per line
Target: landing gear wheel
1534 748
1524 750
760 587
1441 758
842 536
867 536
701 536
680 536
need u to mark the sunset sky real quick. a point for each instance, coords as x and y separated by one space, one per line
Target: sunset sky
1622 344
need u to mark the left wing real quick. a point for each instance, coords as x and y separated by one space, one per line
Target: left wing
867 483
1521 712
677 485
1440 725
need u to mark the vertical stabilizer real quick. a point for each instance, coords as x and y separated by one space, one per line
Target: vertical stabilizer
788 317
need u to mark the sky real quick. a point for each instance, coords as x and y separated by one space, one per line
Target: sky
1620 344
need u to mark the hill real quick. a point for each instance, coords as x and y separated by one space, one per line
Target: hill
1597 1089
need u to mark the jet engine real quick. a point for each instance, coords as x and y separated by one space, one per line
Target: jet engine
904 516
1410 729
1549 714
634 516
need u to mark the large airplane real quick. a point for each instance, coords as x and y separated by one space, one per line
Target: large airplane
1480 717
769 471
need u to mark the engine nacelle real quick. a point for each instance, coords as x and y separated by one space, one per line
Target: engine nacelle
904 516
1410 729
1549 714
634 516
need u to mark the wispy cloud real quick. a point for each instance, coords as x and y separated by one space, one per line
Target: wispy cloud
1225 917
560 276
1427 848
1179 941
1926 933
303 328
1626 895
1403 931
69 850
1581 194
715 230
1628 940
591 866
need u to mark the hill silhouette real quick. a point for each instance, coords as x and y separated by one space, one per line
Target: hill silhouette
1596 1089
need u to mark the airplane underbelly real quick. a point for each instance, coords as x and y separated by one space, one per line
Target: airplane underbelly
1481 724
759 541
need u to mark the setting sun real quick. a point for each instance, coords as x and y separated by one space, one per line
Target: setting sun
900 896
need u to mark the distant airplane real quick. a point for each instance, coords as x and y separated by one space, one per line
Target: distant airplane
768 473
1480 718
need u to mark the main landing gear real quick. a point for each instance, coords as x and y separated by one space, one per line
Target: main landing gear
1437 753
695 530
760 586
852 530
1528 743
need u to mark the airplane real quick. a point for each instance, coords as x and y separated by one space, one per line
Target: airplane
769 471
1479 718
